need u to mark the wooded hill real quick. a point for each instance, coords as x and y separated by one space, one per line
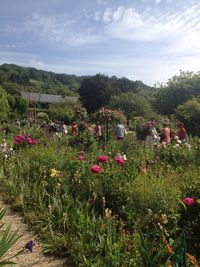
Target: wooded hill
14 78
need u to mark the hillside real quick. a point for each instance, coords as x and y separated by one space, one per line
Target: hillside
14 78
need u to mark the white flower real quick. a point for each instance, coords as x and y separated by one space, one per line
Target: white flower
124 157
149 211
176 145
163 144
178 141
176 137
187 145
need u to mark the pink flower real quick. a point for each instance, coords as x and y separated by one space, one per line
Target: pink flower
19 138
189 201
81 158
103 158
96 169
119 160
31 141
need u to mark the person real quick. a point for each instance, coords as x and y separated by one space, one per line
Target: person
98 131
74 128
182 134
120 131
165 134
152 135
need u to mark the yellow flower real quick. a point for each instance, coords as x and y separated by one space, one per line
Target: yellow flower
54 173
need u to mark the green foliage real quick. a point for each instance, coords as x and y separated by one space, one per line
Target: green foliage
95 92
7 239
177 90
4 106
189 113
131 104
21 105
94 217
15 79
61 112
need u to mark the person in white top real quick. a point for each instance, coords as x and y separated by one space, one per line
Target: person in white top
120 131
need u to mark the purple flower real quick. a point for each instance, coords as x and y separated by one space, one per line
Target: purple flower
29 245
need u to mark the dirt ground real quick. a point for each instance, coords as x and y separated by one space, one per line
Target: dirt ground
27 259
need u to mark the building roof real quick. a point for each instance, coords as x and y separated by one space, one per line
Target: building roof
44 98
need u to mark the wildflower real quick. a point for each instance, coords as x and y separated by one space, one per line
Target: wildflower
103 159
54 173
187 145
176 145
189 201
81 158
119 160
176 138
164 218
31 141
29 245
163 144
192 260
170 249
107 213
96 169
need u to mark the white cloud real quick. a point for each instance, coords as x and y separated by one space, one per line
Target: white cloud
57 30
25 59
129 24
8 46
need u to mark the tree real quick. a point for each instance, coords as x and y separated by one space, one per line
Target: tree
95 92
21 105
2 76
4 106
177 90
62 112
189 113
131 104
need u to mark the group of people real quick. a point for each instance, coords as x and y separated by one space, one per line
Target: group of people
98 130
166 135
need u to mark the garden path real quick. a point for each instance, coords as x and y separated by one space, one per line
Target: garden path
27 259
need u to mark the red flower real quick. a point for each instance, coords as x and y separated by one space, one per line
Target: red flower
19 138
119 160
31 141
189 201
96 169
103 158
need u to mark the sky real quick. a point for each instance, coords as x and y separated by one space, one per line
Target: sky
147 40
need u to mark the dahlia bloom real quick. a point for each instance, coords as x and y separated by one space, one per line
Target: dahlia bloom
119 160
189 201
103 158
81 158
96 169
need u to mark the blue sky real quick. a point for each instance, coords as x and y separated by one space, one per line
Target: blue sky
148 40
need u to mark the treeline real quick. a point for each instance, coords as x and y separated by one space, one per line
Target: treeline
178 99
15 78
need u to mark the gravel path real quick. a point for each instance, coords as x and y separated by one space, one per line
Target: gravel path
27 259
